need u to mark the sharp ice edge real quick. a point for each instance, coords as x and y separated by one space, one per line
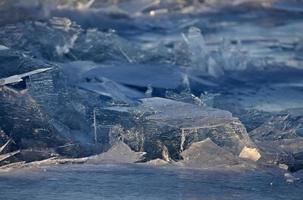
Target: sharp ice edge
18 78
228 58
84 86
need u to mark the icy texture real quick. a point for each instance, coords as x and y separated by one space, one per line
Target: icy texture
162 123
19 77
61 32
206 154
104 57
118 153
200 54
228 57
283 133
158 76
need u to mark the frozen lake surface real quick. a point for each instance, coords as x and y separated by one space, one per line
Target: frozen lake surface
79 182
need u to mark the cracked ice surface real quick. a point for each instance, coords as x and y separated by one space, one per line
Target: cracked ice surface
188 84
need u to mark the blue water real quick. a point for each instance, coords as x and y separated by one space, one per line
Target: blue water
94 182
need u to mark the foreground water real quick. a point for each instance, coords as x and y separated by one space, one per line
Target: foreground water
79 182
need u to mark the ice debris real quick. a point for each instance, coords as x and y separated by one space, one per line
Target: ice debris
289 178
118 153
227 58
250 153
5 146
207 154
138 75
71 114
18 78
280 139
163 123
200 55
3 47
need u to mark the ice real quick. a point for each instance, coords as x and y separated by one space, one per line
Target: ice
232 57
61 40
2 47
206 154
5 146
228 57
200 55
291 5
14 63
250 154
163 109
138 75
111 89
290 178
196 43
118 153
78 77
4 157
55 39
282 132
21 107
76 72
174 125
287 125
18 78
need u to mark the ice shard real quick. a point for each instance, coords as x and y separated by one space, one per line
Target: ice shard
113 90
280 139
157 76
63 32
200 56
206 154
118 153
159 123
18 78
5 146
4 157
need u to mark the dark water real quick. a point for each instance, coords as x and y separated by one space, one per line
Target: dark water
137 182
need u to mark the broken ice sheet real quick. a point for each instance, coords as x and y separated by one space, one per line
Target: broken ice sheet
76 72
62 40
50 40
111 89
60 97
139 75
14 62
280 138
206 154
17 110
118 153
162 123
101 46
